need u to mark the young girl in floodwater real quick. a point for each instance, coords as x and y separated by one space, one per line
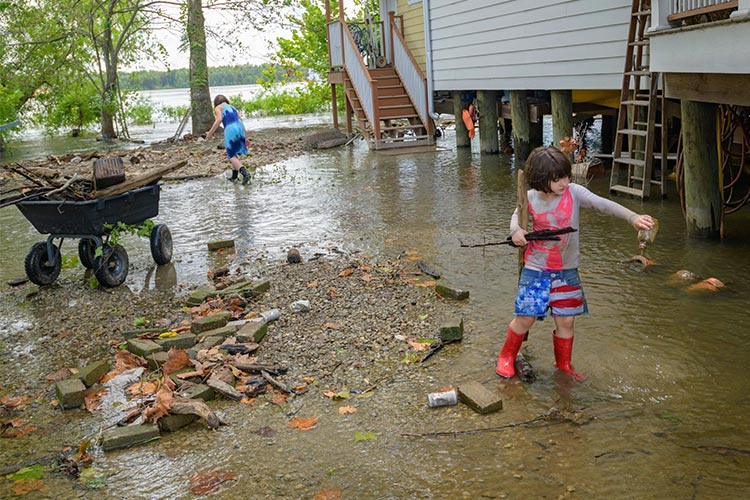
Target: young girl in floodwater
234 135
549 278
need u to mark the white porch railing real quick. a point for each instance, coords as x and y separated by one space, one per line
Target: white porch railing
335 52
665 12
411 75
361 79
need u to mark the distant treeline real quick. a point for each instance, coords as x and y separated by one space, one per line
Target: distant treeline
180 78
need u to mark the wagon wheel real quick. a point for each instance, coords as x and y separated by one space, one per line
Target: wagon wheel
87 252
161 244
111 268
38 267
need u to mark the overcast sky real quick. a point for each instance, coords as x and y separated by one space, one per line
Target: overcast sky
257 49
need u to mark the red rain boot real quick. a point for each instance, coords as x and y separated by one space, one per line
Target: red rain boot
508 353
563 352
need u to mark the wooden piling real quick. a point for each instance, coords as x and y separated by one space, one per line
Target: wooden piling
703 205
519 111
489 142
562 115
334 106
462 133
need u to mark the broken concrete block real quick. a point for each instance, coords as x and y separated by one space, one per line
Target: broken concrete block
171 423
256 289
183 340
479 398
253 331
156 359
70 392
130 334
198 391
207 343
92 372
199 295
223 332
124 437
142 347
208 323
451 292
216 245
452 332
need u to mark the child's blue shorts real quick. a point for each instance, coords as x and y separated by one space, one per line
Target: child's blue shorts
558 291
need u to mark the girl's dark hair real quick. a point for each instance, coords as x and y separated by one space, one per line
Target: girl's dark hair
219 99
546 165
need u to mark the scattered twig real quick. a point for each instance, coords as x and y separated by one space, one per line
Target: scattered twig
553 416
544 234
276 383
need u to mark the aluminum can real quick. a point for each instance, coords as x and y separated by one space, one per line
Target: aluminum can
270 315
447 398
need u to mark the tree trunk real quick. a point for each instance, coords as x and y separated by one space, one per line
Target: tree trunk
519 111
462 133
200 97
109 89
489 141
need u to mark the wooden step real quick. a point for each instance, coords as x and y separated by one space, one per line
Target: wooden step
630 161
627 190
635 102
638 43
638 73
408 127
632 131
642 13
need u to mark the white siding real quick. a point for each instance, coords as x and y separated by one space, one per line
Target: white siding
528 44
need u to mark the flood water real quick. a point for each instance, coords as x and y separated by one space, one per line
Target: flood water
666 396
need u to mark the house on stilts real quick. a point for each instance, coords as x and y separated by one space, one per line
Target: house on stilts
666 77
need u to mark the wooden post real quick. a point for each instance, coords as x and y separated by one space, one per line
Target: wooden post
506 140
349 128
519 112
488 133
703 202
328 12
523 212
334 106
608 129
462 133
562 115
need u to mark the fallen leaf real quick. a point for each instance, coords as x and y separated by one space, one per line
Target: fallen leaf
303 424
331 326
92 401
308 380
25 486
62 335
346 272
15 422
164 399
60 374
345 410
142 388
313 284
14 401
279 398
366 277
35 471
364 436
332 293
247 401
419 346
167 335
178 358
329 394
426 284
208 482
17 433
329 494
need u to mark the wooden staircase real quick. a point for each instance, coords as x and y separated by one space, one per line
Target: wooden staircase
400 124
641 121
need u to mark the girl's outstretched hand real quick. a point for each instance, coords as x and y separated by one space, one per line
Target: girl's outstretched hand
643 222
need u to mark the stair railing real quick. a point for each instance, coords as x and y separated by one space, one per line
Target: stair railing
410 73
359 75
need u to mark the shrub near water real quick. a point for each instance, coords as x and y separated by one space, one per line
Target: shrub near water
307 99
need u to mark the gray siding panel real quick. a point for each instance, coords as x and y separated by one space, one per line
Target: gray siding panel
528 44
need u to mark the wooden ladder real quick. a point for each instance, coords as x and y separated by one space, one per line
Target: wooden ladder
641 105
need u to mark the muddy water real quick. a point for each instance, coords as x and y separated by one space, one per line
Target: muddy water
663 408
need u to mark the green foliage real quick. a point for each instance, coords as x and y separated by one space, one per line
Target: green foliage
35 471
140 111
174 113
180 78
69 261
75 105
364 436
309 98
117 231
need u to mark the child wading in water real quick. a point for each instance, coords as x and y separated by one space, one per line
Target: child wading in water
234 135
549 279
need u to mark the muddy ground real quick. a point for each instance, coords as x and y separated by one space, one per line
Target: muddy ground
369 318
